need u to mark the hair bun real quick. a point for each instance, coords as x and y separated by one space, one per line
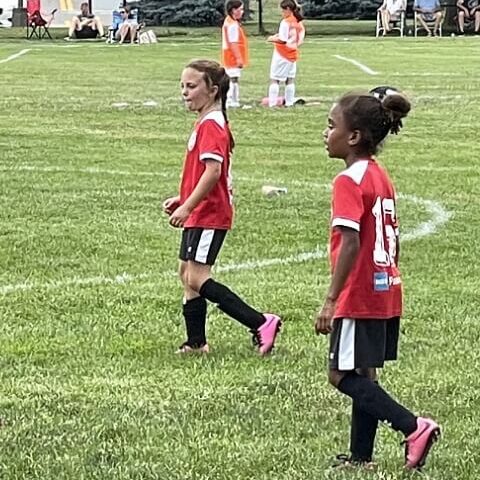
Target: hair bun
383 91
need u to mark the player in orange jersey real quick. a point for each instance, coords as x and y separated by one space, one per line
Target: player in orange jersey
234 49
290 36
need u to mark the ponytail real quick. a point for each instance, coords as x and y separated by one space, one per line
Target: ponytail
374 117
216 76
396 107
295 8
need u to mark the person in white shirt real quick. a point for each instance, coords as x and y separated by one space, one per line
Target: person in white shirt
390 10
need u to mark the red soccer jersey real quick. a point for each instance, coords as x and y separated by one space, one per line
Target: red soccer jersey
210 140
364 199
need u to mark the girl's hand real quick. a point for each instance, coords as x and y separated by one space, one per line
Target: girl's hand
179 216
324 318
272 38
171 204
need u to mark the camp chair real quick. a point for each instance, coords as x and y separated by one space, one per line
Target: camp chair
397 22
36 24
430 23
117 20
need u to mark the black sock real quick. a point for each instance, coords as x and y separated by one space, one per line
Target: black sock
362 434
371 398
231 304
195 314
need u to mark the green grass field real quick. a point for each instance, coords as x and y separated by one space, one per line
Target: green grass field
90 305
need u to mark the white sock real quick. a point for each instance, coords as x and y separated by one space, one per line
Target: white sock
289 94
235 90
273 94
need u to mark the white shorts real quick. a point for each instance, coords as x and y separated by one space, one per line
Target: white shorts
281 69
234 72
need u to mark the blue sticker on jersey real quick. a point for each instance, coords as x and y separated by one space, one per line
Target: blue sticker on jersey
380 282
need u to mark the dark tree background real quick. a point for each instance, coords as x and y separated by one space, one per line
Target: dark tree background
193 13
197 13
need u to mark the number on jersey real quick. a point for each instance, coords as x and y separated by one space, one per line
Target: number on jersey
385 249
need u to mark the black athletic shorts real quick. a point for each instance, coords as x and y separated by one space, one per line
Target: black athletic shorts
365 343
201 245
86 32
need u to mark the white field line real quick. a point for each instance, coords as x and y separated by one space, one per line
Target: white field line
15 55
361 66
438 217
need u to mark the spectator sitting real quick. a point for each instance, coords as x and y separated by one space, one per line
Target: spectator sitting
390 11
128 29
429 11
470 10
85 25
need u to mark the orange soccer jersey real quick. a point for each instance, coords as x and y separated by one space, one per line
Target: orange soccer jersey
292 32
232 32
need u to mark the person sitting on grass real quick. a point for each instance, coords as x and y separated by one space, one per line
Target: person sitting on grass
429 11
85 25
468 10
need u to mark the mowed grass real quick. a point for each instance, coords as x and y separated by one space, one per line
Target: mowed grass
91 309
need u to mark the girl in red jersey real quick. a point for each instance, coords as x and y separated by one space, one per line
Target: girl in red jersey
290 36
364 302
204 211
234 49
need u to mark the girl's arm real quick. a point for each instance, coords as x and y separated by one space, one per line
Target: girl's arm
236 52
213 170
275 39
345 261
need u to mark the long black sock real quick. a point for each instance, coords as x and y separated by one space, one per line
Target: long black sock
371 398
195 314
362 434
231 304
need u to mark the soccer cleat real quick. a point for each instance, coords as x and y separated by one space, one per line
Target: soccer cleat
265 336
347 461
185 348
418 444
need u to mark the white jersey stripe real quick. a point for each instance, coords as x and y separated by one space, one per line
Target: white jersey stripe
344 222
211 156
204 246
346 347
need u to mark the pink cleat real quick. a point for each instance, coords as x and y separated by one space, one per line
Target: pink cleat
265 336
187 349
418 444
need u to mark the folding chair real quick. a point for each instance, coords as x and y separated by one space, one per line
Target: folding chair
36 24
117 20
430 23
397 22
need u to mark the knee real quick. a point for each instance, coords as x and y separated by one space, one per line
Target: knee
335 377
461 14
193 282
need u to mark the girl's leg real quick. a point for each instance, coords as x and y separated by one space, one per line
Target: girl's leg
194 313
199 280
363 427
371 398
273 93
289 92
265 327
234 92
